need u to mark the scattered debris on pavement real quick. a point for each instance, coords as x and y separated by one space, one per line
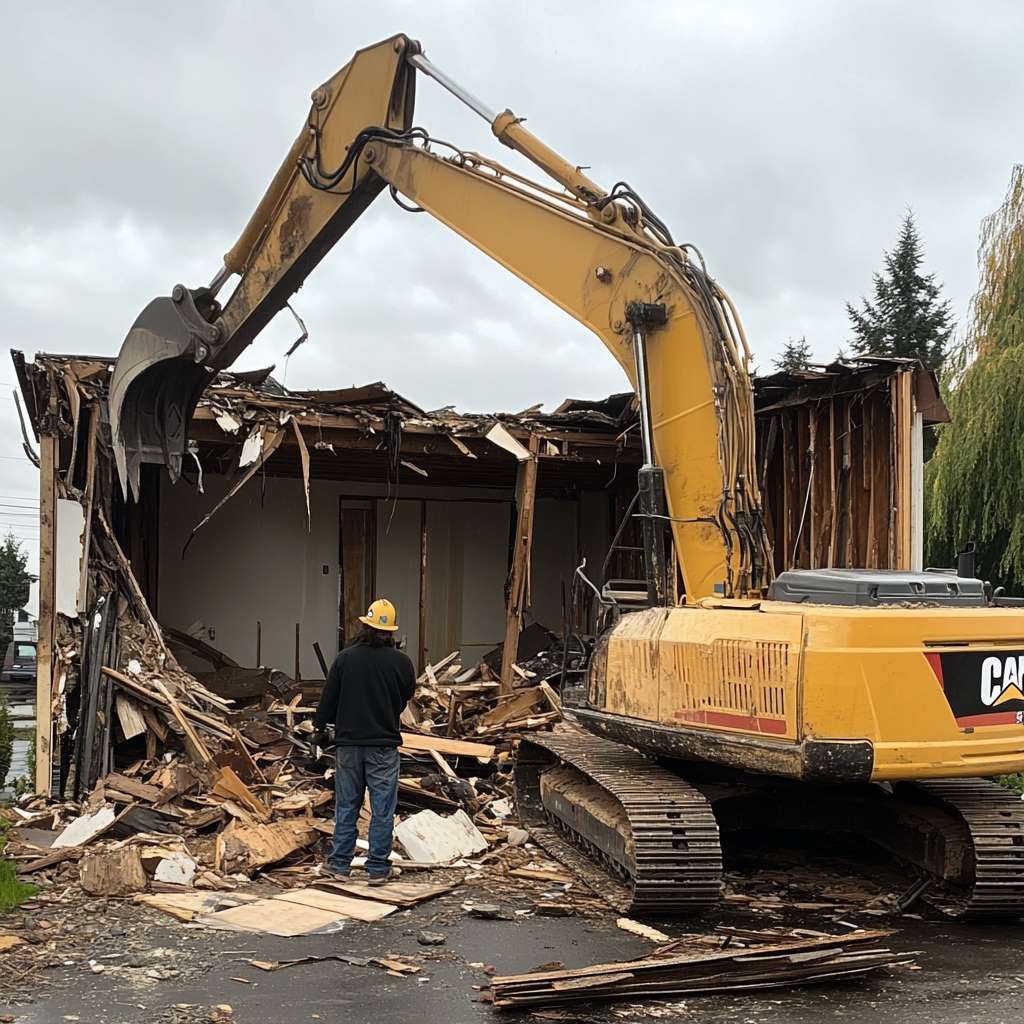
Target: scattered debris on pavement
757 960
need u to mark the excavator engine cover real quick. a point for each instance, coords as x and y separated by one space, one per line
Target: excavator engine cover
865 588
160 374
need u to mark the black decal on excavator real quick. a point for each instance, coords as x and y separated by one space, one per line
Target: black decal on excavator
982 687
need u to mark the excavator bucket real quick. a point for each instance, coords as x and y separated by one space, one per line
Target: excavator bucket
158 378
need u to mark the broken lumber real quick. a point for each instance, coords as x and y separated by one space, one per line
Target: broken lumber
116 871
162 701
131 787
48 860
516 705
229 786
794 962
455 748
246 848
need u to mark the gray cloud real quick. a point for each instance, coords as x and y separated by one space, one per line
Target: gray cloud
785 139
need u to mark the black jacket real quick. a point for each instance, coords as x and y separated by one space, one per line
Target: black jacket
367 688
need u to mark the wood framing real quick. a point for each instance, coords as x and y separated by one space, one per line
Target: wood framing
526 494
841 478
47 584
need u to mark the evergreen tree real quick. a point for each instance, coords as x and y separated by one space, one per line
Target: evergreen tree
907 317
975 481
796 355
14 585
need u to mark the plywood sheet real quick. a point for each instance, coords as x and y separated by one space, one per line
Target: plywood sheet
274 917
403 894
338 903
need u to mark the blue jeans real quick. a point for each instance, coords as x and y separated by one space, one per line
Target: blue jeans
359 769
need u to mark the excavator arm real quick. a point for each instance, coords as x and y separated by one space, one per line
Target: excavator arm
603 257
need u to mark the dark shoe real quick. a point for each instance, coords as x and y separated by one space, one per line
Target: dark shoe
334 872
376 880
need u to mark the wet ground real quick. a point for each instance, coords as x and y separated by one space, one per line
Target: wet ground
154 970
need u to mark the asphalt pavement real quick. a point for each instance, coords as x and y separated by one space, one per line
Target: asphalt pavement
965 974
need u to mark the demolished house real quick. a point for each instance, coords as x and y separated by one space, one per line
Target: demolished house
199 619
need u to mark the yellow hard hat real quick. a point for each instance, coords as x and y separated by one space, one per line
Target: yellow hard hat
381 615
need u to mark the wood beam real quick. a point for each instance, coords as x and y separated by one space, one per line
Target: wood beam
48 450
526 493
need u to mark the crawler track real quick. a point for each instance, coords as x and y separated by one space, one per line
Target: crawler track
671 860
991 821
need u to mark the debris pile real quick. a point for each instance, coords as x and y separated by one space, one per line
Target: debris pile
198 792
742 960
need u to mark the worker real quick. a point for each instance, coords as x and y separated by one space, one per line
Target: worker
367 688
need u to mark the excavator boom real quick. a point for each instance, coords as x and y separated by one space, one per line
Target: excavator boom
603 257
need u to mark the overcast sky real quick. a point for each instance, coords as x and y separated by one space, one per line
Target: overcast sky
785 139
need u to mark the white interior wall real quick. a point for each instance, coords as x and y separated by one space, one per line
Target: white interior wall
255 560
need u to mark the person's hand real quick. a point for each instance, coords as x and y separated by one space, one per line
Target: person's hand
321 739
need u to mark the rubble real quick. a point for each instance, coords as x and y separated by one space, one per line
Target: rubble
431 839
761 960
219 790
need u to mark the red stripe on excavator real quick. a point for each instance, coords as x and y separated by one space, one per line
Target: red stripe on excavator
935 660
749 722
996 718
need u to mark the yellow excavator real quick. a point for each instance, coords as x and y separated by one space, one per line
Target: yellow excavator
875 702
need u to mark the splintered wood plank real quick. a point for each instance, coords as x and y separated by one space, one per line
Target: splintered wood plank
132 787
229 786
552 697
131 716
49 859
526 493
516 706
443 745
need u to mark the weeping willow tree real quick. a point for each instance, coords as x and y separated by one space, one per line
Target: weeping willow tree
975 479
